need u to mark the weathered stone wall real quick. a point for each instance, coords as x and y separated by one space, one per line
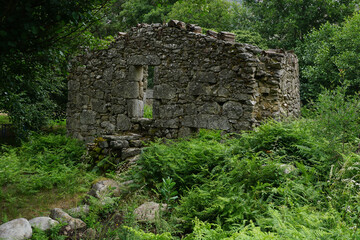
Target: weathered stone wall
199 82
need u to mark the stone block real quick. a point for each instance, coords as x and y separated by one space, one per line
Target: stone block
127 137
152 60
135 108
127 90
164 91
98 105
87 117
233 110
119 144
171 111
167 123
123 123
117 108
108 127
197 89
136 73
210 108
136 143
129 152
101 85
207 77
206 121
108 74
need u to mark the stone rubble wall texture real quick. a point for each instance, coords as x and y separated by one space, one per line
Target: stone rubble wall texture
200 81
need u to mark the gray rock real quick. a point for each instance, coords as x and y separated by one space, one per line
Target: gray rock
136 143
79 211
129 90
164 91
123 123
144 60
61 216
108 127
133 160
148 211
130 152
135 108
105 188
16 229
128 137
287 168
119 144
43 223
233 110
87 117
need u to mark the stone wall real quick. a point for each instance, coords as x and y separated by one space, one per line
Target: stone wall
200 81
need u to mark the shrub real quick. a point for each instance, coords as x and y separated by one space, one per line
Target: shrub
326 52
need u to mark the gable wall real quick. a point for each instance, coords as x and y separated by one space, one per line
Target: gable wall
200 82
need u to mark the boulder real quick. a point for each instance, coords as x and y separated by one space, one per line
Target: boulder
16 229
43 223
60 215
79 211
287 168
148 211
105 188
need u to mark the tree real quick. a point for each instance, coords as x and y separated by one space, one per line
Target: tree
284 22
330 56
144 11
37 37
220 15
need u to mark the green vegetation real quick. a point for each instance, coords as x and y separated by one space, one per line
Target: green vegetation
217 14
148 113
328 56
285 180
44 169
37 41
4 119
284 23
296 179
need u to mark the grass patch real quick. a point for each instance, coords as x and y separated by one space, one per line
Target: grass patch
40 165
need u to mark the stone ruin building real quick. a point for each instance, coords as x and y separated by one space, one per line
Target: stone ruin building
199 81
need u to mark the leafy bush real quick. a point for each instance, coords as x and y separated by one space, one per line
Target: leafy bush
328 55
284 180
250 37
220 15
186 168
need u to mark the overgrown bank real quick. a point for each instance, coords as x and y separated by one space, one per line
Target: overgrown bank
285 180
45 170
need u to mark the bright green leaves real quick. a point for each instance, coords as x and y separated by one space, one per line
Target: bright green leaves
283 23
215 14
326 53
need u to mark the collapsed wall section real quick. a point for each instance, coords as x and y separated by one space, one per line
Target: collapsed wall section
200 81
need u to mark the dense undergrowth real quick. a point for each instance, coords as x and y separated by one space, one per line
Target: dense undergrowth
46 164
296 179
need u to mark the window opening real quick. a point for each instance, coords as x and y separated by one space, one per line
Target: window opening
149 90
